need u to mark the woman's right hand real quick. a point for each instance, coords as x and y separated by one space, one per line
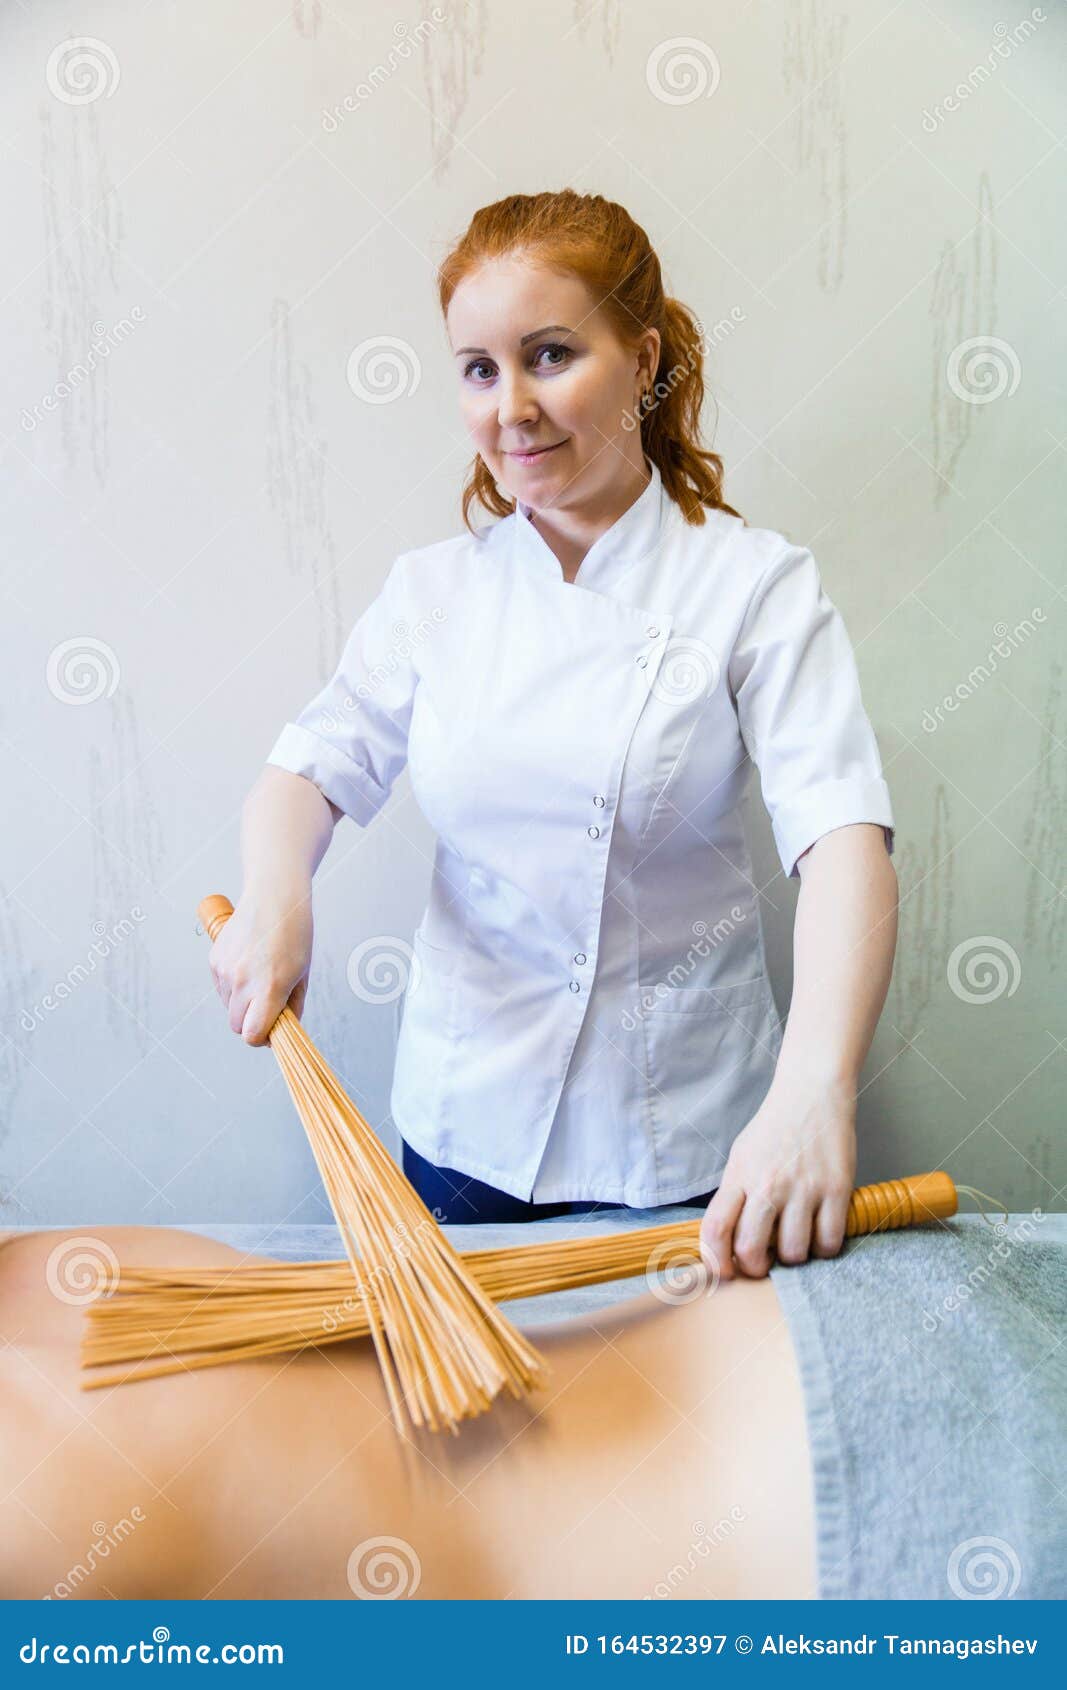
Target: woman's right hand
261 960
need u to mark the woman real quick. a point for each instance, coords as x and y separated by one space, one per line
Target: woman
578 689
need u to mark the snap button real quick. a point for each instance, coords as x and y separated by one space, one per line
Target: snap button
598 801
580 958
653 633
642 662
593 832
575 986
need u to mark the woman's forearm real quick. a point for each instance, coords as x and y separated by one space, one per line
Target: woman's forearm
286 827
844 941
789 1176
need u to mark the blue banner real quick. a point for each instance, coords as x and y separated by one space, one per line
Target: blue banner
534 1644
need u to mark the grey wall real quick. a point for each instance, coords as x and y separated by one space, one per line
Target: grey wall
192 524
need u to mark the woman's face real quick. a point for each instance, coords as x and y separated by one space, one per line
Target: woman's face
539 366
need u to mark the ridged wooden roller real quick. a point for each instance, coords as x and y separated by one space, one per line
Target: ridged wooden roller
900 1202
213 913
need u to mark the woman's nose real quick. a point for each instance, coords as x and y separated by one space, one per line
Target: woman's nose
515 402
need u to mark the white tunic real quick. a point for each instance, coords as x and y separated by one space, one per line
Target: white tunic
589 1013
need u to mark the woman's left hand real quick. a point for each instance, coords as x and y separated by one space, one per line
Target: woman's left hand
791 1170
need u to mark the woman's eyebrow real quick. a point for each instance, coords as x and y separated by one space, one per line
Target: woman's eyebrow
550 328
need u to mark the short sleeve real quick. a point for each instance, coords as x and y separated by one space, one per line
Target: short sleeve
351 739
796 690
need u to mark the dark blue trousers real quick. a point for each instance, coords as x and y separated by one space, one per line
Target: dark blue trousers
453 1197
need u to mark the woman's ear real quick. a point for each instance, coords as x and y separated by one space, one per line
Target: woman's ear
648 358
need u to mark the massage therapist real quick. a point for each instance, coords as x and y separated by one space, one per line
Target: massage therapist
579 689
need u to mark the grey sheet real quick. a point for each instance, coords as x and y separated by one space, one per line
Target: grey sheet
934 1374
935 1384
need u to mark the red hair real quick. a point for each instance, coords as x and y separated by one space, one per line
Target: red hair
597 241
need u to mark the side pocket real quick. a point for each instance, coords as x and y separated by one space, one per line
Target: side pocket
711 1055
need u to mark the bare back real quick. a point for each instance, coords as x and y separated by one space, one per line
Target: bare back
668 1457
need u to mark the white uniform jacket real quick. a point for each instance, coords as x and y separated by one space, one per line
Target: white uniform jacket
589 1013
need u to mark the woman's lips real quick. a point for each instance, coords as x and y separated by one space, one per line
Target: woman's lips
535 456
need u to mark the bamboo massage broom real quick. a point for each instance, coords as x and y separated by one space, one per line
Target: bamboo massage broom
442 1343
200 1317
431 1312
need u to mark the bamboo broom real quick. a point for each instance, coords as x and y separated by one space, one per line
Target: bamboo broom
202 1318
444 1348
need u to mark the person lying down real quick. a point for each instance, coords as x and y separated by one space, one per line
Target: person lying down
831 1430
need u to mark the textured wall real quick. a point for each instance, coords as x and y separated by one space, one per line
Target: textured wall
209 209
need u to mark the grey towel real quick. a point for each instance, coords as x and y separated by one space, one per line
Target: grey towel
935 1386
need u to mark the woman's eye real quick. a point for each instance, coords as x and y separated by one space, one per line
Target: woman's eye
556 347
475 364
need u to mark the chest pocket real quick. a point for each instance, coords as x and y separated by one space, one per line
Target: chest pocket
687 758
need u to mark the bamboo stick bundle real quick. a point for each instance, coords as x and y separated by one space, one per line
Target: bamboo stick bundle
444 1348
201 1317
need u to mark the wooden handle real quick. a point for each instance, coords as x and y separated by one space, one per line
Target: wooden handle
872 1208
213 913
900 1202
